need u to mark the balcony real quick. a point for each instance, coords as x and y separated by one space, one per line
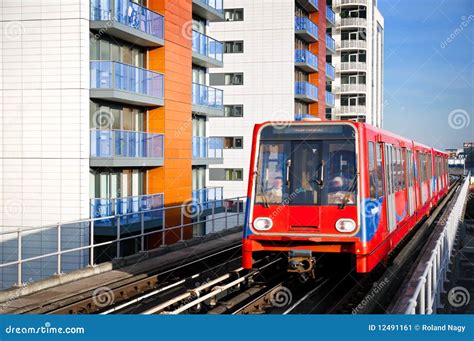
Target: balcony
330 99
353 110
330 72
128 21
306 92
309 5
339 3
208 198
301 117
212 10
208 101
330 16
351 23
306 61
135 209
352 67
118 82
352 88
208 150
352 45
330 44
207 52
126 149
306 29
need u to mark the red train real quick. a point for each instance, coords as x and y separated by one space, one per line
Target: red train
339 187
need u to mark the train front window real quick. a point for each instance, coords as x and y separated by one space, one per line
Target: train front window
307 172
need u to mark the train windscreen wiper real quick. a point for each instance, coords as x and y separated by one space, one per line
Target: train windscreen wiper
351 189
319 181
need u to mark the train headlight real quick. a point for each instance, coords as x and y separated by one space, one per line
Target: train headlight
345 225
263 224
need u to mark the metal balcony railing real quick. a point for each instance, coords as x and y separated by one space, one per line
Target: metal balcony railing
352 22
205 196
345 88
126 144
352 66
130 14
208 147
208 96
207 46
339 3
352 110
352 44
119 76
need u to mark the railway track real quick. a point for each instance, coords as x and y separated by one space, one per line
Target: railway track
333 292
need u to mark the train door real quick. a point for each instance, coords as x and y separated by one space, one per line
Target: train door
410 182
390 189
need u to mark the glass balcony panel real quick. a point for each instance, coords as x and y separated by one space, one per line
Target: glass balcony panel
126 78
306 89
330 15
305 56
207 46
130 14
208 96
304 24
330 71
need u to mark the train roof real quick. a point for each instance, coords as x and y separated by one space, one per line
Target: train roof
367 126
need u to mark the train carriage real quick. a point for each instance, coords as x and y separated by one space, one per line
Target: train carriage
341 187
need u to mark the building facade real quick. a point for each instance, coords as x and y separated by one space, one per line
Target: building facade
359 36
105 110
277 67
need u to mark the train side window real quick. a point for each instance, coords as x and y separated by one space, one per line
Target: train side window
394 171
372 175
403 168
399 171
379 171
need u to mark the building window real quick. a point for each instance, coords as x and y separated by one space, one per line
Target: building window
226 174
217 79
234 110
233 142
107 116
236 46
234 14
117 184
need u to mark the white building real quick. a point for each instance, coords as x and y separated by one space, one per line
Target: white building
359 36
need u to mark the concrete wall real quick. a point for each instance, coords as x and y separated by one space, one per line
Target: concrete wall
268 67
44 116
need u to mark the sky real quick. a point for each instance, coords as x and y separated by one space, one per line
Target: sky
429 70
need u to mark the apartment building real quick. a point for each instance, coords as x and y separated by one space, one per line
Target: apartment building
277 66
359 36
105 111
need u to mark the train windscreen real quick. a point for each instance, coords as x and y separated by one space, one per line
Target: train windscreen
314 167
